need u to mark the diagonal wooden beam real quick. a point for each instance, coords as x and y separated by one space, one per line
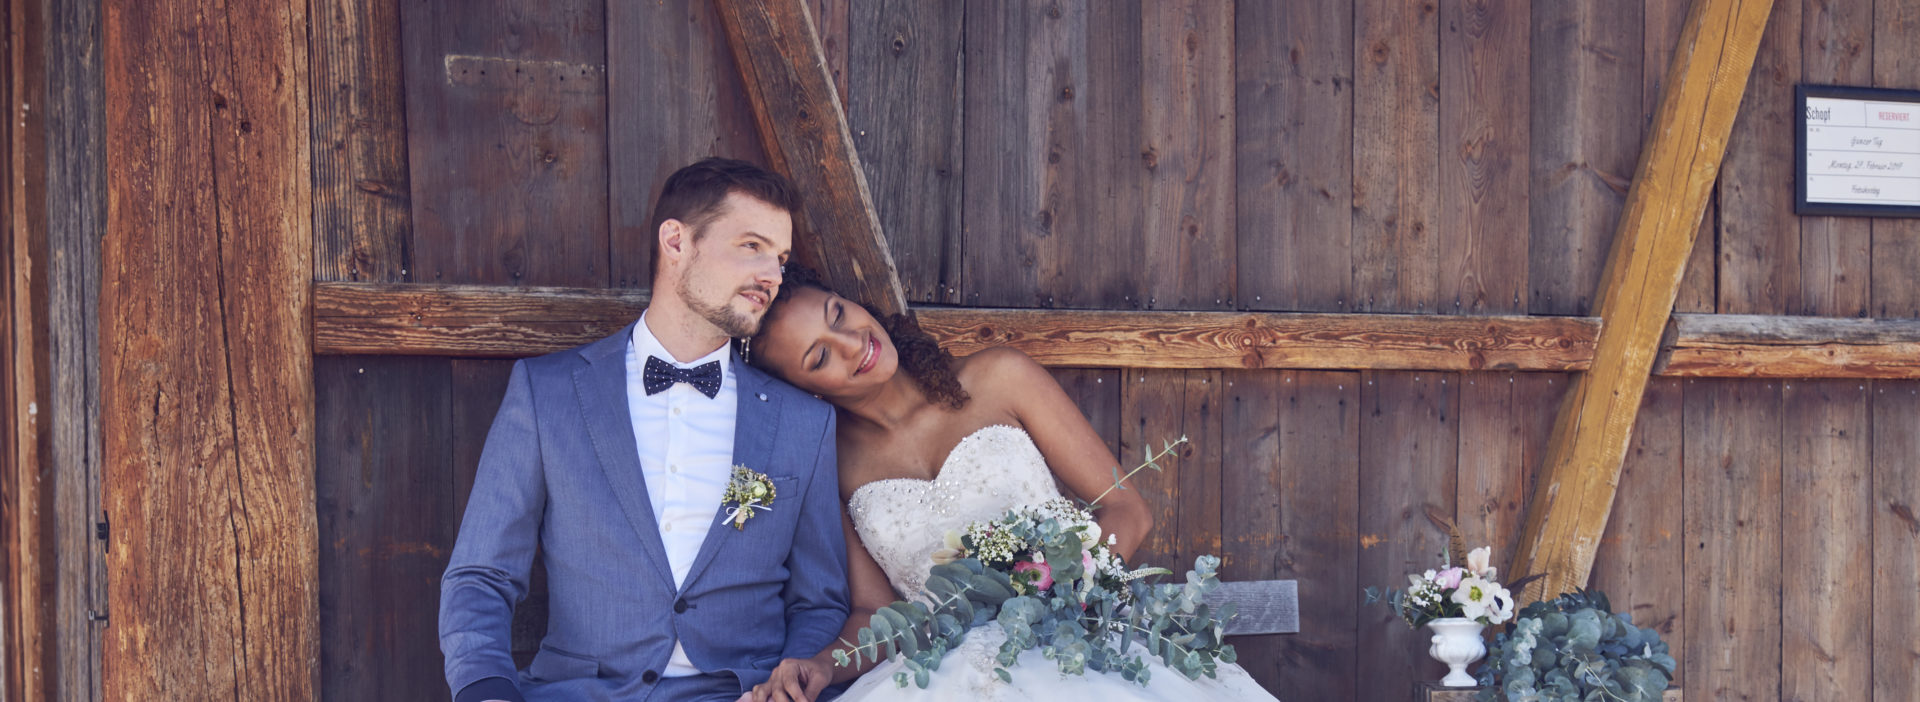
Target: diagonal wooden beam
1574 490
804 130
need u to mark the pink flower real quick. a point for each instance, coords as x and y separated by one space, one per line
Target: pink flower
1046 574
1450 578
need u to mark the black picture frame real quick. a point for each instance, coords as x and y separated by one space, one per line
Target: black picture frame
1801 206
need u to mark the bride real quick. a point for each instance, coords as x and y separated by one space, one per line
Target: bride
947 442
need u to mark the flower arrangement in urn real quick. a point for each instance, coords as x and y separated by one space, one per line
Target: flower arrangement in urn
1457 602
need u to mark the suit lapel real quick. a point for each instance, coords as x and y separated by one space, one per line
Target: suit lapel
601 387
754 433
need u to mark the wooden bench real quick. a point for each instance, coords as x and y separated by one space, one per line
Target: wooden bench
1433 692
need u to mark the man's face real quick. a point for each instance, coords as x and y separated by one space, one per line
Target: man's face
732 268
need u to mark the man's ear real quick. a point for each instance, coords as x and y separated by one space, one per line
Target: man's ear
674 238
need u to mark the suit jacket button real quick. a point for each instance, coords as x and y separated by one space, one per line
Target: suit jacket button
649 677
680 607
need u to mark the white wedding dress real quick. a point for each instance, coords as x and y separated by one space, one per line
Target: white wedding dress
903 520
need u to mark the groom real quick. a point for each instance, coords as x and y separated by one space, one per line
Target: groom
615 459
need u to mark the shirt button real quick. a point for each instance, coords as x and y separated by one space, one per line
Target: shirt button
667 526
676 411
673 467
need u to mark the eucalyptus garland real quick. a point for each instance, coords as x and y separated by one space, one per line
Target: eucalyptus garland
1573 649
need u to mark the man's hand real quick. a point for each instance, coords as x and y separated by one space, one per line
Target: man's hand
794 680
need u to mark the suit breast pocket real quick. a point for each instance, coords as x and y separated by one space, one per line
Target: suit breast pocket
552 665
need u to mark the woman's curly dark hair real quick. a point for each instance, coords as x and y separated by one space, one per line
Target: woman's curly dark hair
920 356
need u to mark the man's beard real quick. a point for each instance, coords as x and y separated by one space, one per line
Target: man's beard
734 324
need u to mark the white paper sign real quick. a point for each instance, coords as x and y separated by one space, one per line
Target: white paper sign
1862 152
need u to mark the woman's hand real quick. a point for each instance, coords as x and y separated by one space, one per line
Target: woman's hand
794 680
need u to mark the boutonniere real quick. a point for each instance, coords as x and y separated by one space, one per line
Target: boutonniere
749 490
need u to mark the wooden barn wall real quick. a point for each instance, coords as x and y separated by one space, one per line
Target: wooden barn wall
1455 157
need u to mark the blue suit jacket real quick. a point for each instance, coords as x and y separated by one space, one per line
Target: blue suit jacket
560 469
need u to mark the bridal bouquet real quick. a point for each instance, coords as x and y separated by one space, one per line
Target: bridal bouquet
1044 573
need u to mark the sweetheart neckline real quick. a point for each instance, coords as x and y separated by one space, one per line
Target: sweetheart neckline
943 462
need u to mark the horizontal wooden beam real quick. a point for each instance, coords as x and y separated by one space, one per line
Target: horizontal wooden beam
483 321
1739 345
513 322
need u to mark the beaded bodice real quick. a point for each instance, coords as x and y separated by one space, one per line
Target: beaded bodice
902 521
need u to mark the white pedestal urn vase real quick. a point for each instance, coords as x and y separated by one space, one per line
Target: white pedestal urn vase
1457 643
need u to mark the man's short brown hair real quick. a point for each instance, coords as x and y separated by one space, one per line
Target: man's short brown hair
694 195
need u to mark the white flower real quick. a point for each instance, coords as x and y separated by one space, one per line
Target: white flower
952 551
1484 600
1477 563
1091 536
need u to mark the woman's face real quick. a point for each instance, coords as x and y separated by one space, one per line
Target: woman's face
826 345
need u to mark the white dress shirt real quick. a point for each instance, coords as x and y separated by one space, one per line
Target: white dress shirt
686 455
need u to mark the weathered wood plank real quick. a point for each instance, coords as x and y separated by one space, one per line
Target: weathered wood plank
1826 526
1789 347
1896 540
1293 151
832 19
1505 420
1641 561
76 213
29 646
1759 234
1483 151
1664 20
506 138
487 321
904 107
1187 253
1151 411
1396 152
384 489
1836 253
1896 242
1096 391
1585 116
1410 460
1290 463
803 129
362 214
1732 526
659 54
1574 494
207 379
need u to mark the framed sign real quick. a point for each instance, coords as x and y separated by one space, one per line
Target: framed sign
1858 151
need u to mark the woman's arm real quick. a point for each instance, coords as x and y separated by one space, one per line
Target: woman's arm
1075 452
871 592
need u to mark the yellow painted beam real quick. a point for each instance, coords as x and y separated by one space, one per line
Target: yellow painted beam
1574 490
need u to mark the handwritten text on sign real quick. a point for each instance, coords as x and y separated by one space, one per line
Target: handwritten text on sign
1863 152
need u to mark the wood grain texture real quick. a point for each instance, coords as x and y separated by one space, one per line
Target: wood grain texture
1505 420
1097 392
1826 526
1055 164
1759 235
803 129
1484 146
1575 491
1733 538
1641 563
1293 156
1409 461
1159 407
1396 152
1789 347
1836 253
1896 540
672 53
1585 117
207 380
507 141
1664 20
1896 242
32 638
362 211
76 212
1290 458
904 108
383 478
1186 142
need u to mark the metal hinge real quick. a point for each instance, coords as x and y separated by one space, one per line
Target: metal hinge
103 532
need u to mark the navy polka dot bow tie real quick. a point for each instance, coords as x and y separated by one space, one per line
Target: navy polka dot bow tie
661 375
